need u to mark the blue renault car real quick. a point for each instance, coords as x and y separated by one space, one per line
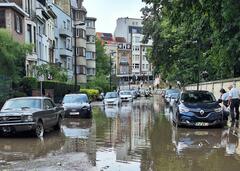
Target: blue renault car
198 109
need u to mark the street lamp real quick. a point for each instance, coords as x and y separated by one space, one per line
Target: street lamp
75 54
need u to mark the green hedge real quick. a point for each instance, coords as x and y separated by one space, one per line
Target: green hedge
92 93
60 89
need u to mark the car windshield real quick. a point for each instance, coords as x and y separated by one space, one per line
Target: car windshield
22 104
171 91
125 93
198 97
174 95
75 99
110 95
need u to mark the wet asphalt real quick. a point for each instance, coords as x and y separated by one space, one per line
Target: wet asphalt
136 136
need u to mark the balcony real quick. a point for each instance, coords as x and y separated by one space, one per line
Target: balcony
65 33
65 52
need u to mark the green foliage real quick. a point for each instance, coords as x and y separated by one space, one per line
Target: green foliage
184 30
28 84
92 93
56 72
102 60
101 81
60 89
12 56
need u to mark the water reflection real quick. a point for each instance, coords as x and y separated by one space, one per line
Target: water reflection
13 149
135 136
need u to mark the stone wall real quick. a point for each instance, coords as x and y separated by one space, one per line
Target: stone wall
215 86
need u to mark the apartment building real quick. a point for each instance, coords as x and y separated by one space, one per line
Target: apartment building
63 36
131 30
80 44
90 47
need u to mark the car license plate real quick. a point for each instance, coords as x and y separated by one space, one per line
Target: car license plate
201 124
74 113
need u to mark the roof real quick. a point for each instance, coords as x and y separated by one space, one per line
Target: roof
15 7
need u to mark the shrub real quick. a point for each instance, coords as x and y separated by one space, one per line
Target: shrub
28 84
92 93
60 89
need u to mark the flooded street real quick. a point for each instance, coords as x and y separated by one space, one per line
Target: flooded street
136 136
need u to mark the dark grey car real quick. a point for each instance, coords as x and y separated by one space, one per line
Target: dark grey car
35 114
77 105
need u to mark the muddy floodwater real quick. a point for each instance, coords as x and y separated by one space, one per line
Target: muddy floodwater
135 136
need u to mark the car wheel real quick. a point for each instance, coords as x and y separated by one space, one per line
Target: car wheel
59 123
39 130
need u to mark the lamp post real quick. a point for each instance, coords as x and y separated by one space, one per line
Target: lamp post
75 54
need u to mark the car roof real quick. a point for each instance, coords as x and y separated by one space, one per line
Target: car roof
196 91
81 94
32 97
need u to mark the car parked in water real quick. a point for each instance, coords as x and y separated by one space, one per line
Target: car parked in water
168 93
126 96
198 108
34 114
173 99
77 105
112 98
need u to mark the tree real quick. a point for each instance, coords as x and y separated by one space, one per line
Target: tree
184 31
52 71
101 79
12 55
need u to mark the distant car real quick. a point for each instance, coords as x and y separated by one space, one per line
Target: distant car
126 96
77 105
112 98
198 108
173 99
168 93
35 114
134 93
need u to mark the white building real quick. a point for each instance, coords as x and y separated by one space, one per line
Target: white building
131 30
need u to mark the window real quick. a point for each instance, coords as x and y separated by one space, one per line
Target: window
90 71
18 23
90 55
81 69
47 104
64 25
147 66
2 18
81 33
69 64
143 66
81 51
68 44
137 66
29 33
68 24
90 39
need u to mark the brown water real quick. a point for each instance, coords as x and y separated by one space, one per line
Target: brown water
134 137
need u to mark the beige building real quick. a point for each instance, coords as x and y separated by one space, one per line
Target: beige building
91 47
12 17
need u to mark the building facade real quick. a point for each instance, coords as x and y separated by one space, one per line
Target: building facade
63 37
90 47
131 30
80 43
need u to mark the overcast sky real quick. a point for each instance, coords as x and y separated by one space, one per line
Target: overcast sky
107 12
